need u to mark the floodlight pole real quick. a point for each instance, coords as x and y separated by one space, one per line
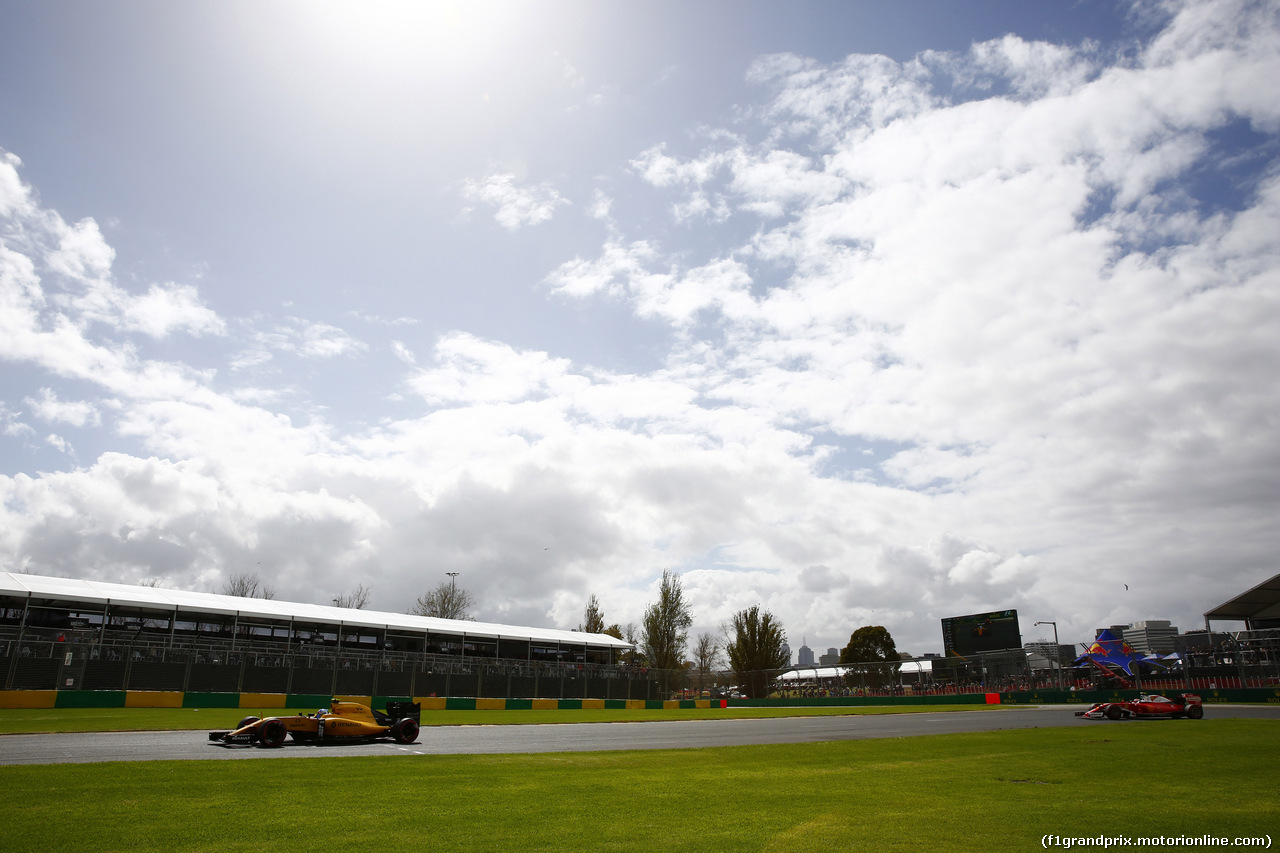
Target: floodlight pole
453 592
1057 661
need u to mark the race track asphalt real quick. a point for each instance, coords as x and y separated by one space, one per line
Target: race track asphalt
574 737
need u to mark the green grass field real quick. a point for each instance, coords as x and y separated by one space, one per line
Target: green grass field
988 791
35 721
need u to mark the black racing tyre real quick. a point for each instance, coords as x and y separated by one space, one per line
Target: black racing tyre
272 733
1114 713
405 731
246 721
1195 712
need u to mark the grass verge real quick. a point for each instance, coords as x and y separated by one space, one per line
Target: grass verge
47 720
986 791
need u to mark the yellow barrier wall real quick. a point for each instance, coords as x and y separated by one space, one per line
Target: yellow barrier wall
546 704
430 703
262 700
28 698
152 699
491 704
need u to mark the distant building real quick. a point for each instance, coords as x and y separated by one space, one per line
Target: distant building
1045 649
831 658
786 651
1151 636
1148 637
806 656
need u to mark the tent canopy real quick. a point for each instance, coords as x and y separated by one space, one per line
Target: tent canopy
1261 602
1111 652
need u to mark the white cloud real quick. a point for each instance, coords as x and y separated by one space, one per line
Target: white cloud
474 371
948 294
57 277
77 413
679 297
616 265
403 353
81 252
12 425
660 169
15 196
1032 69
300 337
514 206
162 310
384 321
973 349
600 205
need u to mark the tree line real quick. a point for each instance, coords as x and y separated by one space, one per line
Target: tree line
752 641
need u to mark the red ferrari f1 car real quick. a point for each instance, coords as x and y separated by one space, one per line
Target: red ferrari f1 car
1148 707
341 722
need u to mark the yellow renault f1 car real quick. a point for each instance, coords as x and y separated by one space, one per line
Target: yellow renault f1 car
341 722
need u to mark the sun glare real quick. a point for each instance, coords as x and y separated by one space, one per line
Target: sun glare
403 37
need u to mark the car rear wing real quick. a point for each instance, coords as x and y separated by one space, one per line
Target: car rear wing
400 710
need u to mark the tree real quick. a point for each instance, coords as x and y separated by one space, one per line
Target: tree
665 630
355 600
872 646
593 618
247 585
706 655
633 656
446 601
756 649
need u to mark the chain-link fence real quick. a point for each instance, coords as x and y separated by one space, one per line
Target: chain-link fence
1199 661
46 660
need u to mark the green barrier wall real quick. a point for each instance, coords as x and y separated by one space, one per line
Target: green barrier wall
90 699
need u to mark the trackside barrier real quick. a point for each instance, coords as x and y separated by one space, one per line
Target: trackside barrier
28 698
821 701
35 699
276 701
1249 695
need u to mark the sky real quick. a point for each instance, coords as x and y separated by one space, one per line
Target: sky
867 313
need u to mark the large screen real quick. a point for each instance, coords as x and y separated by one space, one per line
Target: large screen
981 632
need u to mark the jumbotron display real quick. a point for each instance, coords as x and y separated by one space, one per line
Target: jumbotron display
981 632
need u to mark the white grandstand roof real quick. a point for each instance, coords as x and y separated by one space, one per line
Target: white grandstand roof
816 673
158 598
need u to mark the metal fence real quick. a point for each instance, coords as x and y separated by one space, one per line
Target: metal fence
73 663
1201 661
69 661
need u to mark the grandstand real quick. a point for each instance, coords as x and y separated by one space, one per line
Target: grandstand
67 634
